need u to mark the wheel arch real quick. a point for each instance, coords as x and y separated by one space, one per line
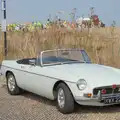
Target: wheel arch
17 89
55 88
8 72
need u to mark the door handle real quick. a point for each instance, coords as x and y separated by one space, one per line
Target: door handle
22 67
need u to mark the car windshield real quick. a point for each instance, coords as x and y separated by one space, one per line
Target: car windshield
64 57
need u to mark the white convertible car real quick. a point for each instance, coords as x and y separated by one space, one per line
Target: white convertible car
67 76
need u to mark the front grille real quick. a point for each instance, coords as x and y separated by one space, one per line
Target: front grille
109 90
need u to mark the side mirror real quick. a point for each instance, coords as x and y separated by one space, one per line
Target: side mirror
32 62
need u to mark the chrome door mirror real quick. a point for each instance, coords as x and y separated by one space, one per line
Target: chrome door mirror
32 62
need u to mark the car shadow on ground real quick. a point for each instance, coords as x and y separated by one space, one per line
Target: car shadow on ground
78 108
97 109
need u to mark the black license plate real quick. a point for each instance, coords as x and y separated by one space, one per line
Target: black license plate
112 100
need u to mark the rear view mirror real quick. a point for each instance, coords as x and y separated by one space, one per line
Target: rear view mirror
32 62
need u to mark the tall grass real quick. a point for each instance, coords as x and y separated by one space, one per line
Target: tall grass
102 45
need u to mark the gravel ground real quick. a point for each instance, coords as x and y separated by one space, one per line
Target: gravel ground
32 107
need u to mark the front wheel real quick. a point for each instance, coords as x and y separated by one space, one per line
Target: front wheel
12 87
65 99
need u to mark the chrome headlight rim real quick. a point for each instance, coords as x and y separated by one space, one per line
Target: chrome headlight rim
81 84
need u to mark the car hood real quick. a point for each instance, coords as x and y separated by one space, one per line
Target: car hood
95 75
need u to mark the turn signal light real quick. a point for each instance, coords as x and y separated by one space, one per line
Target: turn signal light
89 95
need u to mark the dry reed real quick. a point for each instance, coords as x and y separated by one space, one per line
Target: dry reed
102 45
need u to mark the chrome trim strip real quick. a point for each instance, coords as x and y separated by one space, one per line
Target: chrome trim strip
103 87
39 74
110 95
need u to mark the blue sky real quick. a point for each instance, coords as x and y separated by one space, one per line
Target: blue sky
33 10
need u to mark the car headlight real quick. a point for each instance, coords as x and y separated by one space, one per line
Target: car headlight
81 84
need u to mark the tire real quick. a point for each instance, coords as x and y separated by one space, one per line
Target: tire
12 86
67 106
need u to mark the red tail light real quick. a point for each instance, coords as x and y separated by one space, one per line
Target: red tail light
114 86
103 91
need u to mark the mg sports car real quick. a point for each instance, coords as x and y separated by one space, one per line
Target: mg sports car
65 75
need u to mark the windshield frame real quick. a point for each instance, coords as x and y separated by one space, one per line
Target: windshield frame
83 53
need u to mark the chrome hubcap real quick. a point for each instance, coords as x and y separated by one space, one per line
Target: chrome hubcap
61 98
11 83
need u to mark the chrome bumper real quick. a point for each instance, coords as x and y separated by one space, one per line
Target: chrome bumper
97 100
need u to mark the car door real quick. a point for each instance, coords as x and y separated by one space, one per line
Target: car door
37 81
